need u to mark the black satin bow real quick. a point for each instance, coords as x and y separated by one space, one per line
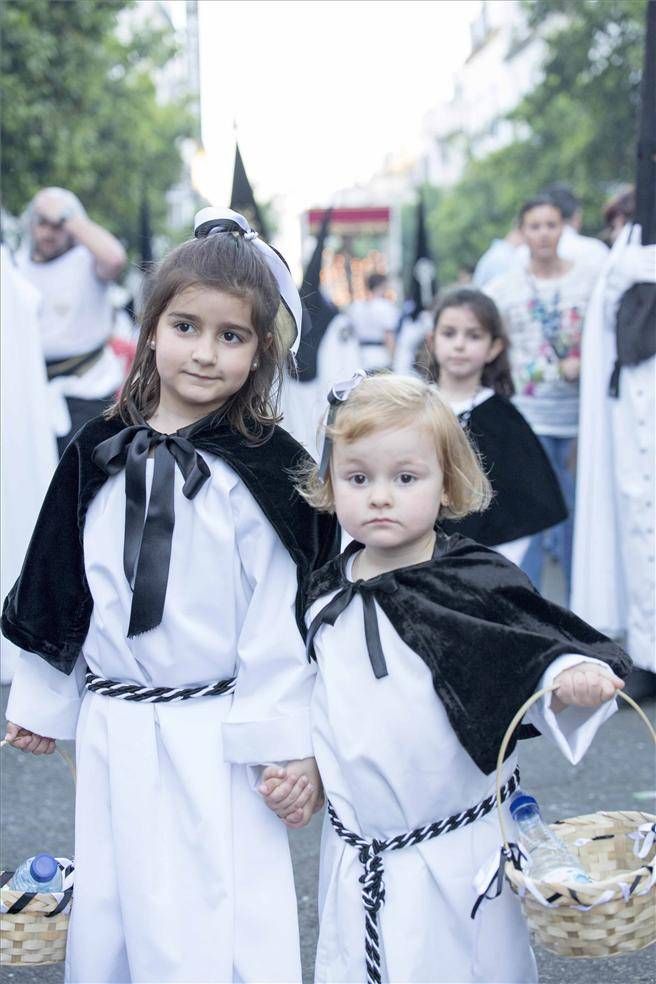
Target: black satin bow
147 544
386 584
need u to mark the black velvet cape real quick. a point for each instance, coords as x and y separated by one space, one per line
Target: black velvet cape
49 608
527 496
485 633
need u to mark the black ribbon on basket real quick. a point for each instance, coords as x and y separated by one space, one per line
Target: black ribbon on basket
24 900
514 854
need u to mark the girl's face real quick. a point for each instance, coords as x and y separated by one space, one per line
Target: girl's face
205 346
462 347
387 486
542 227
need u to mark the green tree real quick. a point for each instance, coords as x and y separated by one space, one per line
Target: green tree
80 110
579 125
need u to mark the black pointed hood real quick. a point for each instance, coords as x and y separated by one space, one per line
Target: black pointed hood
242 199
318 311
424 282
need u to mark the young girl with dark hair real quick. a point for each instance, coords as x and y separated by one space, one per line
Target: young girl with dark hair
469 361
159 609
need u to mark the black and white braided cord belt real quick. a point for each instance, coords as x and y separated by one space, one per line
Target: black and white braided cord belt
370 855
156 695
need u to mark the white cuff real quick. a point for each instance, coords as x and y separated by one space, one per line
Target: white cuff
45 700
276 740
573 728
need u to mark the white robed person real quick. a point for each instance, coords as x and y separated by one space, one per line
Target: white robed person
303 395
616 465
72 261
28 440
159 617
426 647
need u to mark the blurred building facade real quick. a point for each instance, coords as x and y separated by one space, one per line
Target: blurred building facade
504 64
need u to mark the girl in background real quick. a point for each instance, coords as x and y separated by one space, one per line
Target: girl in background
469 362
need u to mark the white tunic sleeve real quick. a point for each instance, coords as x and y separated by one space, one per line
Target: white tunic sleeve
45 700
269 718
573 728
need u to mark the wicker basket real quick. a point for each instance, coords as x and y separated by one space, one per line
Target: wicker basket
37 933
615 913
31 936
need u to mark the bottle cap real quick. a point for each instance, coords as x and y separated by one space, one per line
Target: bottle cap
43 868
521 800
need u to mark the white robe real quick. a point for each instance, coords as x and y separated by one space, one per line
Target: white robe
304 404
614 544
390 761
29 448
182 872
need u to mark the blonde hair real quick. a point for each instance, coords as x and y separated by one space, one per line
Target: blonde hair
385 401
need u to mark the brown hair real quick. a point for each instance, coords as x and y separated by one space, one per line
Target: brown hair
538 201
622 203
387 400
229 263
496 374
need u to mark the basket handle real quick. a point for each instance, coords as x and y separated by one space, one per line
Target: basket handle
533 699
66 757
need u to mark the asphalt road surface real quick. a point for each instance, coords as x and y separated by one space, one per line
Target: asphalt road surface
617 774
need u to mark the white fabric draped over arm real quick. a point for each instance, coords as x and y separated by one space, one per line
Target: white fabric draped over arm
45 700
269 718
573 728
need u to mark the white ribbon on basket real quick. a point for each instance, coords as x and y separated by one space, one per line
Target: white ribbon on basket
529 885
488 873
643 838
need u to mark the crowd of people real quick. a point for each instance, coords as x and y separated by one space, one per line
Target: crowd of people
223 621
522 331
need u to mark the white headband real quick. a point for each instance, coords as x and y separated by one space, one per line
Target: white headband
210 221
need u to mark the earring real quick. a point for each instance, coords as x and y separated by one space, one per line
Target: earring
254 366
152 343
444 501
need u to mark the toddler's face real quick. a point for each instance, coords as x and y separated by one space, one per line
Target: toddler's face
387 486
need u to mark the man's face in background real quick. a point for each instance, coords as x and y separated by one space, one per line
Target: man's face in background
50 238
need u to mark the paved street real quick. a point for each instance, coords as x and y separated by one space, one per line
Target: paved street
37 813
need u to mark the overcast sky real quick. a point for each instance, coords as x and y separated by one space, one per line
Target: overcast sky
321 91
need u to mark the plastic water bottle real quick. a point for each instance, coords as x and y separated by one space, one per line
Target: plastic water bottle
549 858
38 874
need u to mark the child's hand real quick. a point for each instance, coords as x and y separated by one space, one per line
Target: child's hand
585 685
294 793
28 741
284 795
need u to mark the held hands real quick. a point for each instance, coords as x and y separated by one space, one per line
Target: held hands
28 741
294 793
585 685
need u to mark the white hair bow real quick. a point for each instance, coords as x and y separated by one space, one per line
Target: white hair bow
210 221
